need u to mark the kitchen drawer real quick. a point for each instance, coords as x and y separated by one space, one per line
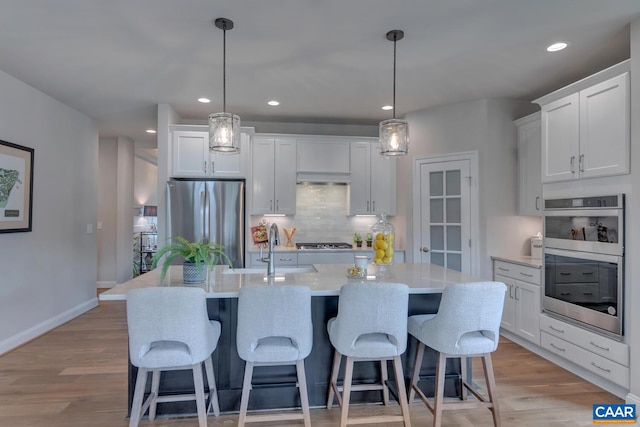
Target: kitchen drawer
605 347
576 273
281 259
578 292
517 271
599 365
309 258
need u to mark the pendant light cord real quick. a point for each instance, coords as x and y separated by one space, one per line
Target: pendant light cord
224 68
394 74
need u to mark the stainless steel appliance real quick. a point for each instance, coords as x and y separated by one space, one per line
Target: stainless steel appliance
584 261
209 210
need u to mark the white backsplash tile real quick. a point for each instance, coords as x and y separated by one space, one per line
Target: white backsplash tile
321 215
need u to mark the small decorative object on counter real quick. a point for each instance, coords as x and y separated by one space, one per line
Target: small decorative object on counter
357 238
260 235
369 240
289 232
383 238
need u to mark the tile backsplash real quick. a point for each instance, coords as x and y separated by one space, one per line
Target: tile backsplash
321 215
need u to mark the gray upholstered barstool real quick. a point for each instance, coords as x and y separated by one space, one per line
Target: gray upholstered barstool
371 326
467 325
274 328
169 329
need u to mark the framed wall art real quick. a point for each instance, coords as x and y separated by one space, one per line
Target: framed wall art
16 187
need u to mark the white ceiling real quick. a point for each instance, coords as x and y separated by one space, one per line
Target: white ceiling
326 61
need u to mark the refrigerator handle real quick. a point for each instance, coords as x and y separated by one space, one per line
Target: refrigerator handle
204 198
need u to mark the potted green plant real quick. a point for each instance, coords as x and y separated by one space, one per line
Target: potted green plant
369 239
197 256
358 239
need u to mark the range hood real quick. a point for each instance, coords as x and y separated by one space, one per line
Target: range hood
324 177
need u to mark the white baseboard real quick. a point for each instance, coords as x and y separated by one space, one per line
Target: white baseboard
49 324
631 398
106 284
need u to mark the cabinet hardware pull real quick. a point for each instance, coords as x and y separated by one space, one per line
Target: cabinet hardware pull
599 346
368 206
285 259
581 163
572 167
510 293
556 329
537 203
213 167
517 298
587 293
565 274
587 273
373 204
556 347
608 371
277 205
205 167
564 294
503 269
526 275
271 205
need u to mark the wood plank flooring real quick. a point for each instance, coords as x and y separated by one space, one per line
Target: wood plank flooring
75 376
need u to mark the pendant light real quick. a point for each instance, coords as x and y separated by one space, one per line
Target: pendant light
394 133
224 128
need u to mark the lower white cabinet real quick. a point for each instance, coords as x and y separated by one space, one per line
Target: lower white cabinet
600 355
281 259
521 312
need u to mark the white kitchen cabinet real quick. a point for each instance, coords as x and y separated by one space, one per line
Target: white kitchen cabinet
598 354
193 159
529 165
373 181
586 134
273 176
521 312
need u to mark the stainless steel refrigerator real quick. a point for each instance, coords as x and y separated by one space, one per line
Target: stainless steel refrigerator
212 210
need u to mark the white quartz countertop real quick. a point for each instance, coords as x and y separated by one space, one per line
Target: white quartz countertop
325 281
520 259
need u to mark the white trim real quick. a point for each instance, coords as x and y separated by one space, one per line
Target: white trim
474 204
46 326
632 398
106 284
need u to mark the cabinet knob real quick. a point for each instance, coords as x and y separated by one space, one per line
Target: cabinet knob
424 249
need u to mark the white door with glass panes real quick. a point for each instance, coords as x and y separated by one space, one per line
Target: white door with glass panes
444 235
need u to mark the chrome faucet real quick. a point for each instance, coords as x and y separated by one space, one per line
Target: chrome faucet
274 239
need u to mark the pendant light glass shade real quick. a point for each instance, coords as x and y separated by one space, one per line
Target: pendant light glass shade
394 133
394 137
224 132
224 128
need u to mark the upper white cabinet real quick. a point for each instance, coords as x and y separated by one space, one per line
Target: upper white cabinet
273 165
529 165
586 127
373 180
191 157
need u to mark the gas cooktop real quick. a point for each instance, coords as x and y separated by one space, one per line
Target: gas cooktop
324 245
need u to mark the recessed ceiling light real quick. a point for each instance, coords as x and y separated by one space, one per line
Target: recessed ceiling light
387 107
273 102
556 46
204 100
151 131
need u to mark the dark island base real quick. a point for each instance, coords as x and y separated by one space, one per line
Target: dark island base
274 386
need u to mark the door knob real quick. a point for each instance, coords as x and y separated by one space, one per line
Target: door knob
425 249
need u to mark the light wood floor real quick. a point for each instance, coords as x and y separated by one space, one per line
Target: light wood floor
75 376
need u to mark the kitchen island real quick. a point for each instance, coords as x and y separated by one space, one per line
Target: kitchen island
272 385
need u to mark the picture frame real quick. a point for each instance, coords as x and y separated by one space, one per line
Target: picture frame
16 187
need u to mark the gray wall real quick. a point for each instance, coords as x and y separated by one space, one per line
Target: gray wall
48 276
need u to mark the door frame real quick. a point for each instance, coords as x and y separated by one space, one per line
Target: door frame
474 203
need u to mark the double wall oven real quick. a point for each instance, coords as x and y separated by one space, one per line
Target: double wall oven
584 261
